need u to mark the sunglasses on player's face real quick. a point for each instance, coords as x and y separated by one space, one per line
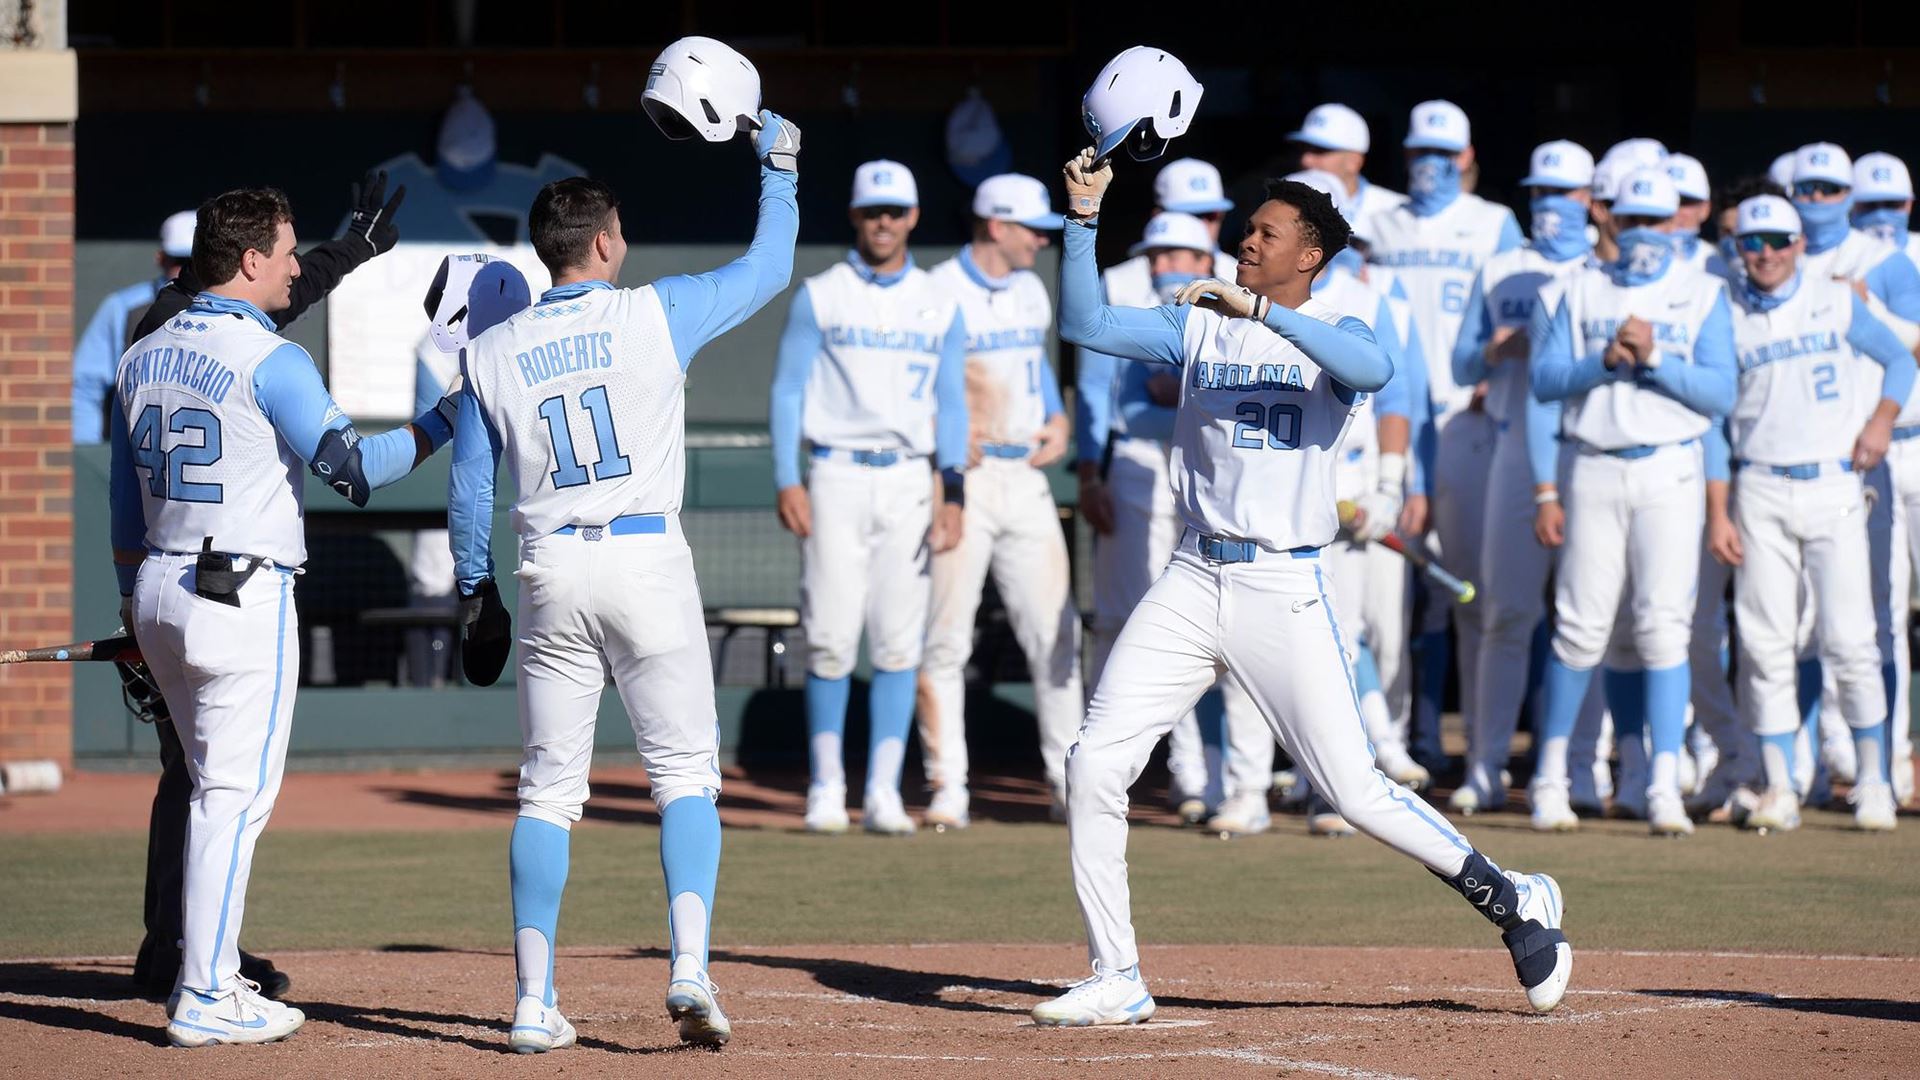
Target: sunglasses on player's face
1758 241
871 213
1808 188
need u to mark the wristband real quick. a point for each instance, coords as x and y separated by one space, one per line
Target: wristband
953 487
1393 473
1542 498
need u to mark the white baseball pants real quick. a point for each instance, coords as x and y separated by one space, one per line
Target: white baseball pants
1512 583
866 564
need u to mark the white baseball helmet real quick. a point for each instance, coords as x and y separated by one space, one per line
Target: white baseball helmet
1143 98
469 295
699 86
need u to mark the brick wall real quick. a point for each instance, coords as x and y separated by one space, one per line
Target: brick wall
36 458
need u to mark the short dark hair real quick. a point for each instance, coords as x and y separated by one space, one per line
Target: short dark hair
566 216
231 224
1321 225
1732 195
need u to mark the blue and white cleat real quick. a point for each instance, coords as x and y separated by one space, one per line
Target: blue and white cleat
1541 956
1113 997
692 1004
539 1027
238 1014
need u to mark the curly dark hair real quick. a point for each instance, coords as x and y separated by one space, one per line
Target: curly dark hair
231 224
1321 225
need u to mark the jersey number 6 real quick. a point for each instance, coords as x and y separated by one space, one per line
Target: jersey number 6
609 463
1281 422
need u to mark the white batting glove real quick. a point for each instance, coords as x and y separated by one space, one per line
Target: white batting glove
1233 301
777 143
1382 504
1086 185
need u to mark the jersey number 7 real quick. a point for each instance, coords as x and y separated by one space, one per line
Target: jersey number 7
609 463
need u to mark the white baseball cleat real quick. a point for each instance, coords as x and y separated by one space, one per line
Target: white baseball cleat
1837 752
1551 810
1873 808
827 808
884 814
538 1027
1190 809
238 1014
1401 768
1541 901
948 809
1118 997
1778 809
1667 815
1242 815
1472 797
1903 781
691 1002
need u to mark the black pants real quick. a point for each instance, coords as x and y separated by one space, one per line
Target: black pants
159 959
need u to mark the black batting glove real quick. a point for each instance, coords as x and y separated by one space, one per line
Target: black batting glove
372 220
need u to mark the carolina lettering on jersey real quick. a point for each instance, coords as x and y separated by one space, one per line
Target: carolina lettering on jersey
185 368
1029 337
1211 376
1441 258
1603 330
1788 348
869 337
580 352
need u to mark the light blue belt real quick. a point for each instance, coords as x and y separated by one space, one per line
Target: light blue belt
1902 434
1222 550
624 525
875 459
1010 451
1810 471
1635 453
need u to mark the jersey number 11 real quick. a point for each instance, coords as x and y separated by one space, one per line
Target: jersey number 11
609 463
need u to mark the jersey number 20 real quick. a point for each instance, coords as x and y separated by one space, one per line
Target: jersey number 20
166 466
1280 423
609 463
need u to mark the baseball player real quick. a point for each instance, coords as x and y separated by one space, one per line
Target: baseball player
1798 455
1019 427
1493 347
214 414
584 395
872 373
1883 201
96 355
1640 355
1433 245
1123 421
1269 380
1696 205
1335 139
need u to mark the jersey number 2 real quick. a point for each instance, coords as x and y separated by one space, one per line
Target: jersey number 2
1824 376
609 463
166 466
1281 423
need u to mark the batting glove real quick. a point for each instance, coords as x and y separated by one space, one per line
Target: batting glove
372 220
1233 301
1087 182
777 143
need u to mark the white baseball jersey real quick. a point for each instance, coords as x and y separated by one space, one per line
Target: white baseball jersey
1433 260
1360 449
1511 284
1008 323
872 386
1800 380
209 460
1257 416
588 400
1370 200
1620 413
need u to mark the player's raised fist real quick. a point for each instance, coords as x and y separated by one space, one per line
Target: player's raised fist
1233 301
777 143
1087 182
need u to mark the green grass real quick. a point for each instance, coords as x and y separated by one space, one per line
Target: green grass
1819 890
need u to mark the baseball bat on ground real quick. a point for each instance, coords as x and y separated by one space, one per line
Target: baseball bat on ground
120 648
1462 591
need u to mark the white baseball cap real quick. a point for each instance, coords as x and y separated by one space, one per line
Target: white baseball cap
1171 229
1334 127
1559 164
1016 198
1646 192
1636 152
1881 177
176 233
1438 125
1190 186
1324 181
1823 161
1781 171
1689 177
884 183
1767 214
1606 180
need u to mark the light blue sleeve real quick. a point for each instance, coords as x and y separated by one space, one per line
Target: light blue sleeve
1145 419
126 515
1876 339
470 491
701 307
950 430
427 388
1156 335
95 357
1709 385
1050 390
1422 443
1897 282
1556 371
1510 235
1470 348
1718 453
800 344
297 404
1346 350
1393 398
1543 440
1093 404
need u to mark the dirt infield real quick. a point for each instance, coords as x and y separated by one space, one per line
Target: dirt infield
961 1010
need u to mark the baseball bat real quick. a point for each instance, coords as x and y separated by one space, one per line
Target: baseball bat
1462 591
120 648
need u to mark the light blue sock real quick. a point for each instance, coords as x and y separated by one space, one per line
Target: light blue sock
690 858
1776 759
827 726
537 857
890 712
1563 689
1667 692
1366 672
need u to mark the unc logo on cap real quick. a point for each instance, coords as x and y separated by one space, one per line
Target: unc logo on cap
1436 119
1317 120
1642 187
1760 212
1882 174
1550 160
882 177
1818 157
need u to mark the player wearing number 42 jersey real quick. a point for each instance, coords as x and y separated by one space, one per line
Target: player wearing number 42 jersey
1270 378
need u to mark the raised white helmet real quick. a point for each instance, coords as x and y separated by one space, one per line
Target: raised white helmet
1142 98
699 86
469 295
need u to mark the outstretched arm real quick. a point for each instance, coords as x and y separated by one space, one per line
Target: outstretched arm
1156 335
296 402
1346 349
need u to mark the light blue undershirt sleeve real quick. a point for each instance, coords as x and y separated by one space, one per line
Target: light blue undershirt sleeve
1346 349
1709 384
1423 442
1145 418
1543 440
800 344
1510 235
297 404
1156 335
1093 404
470 491
1897 282
1876 339
126 514
1393 398
701 307
1469 349
1050 390
427 390
1556 372
95 358
1717 452
950 430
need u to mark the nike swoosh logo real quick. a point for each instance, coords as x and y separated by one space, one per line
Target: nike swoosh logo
1677 305
256 1022
1302 605
1822 311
